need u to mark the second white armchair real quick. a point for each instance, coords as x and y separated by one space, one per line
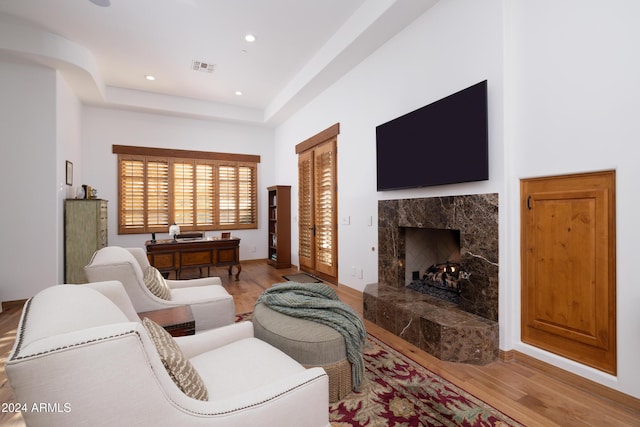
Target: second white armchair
211 304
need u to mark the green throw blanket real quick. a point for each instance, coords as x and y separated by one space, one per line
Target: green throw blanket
319 303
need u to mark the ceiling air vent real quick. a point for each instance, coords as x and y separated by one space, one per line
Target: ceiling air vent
202 66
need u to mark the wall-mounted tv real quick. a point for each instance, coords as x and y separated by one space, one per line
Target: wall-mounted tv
444 142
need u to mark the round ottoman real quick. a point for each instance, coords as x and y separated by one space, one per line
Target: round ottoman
310 343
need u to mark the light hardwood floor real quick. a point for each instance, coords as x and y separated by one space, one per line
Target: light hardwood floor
530 393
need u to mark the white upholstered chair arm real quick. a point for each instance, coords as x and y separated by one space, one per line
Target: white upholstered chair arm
298 400
193 345
203 281
211 306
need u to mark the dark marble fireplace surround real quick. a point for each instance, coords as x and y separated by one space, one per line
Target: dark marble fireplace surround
467 332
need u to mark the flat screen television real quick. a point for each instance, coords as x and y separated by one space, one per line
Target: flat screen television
444 142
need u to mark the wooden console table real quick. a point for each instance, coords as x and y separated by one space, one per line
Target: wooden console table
178 321
174 255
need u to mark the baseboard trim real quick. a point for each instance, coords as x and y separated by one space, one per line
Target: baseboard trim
507 356
6 305
350 291
571 378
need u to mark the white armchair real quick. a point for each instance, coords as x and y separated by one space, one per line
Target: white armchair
211 304
80 357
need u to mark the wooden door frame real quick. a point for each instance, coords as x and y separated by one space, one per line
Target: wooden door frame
325 136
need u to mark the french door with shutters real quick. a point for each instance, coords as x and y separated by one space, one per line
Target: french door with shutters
317 210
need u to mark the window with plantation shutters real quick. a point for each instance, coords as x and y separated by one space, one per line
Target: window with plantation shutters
196 190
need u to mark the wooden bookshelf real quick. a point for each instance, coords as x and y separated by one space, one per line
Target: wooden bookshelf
279 243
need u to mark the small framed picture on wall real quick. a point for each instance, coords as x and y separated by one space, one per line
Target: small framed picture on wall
69 173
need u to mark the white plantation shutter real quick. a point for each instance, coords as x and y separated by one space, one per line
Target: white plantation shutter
196 193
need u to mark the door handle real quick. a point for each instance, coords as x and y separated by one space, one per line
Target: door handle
529 202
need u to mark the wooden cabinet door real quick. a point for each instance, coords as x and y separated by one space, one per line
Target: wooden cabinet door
568 267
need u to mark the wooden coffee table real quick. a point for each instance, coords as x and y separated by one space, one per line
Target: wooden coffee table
178 321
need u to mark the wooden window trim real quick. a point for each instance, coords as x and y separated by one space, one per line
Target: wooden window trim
184 154
319 138
216 160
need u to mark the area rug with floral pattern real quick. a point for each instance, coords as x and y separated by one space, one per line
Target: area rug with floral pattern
398 392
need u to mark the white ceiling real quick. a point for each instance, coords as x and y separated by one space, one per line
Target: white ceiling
302 47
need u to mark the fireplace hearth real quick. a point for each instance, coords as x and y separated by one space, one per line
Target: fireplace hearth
429 288
462 326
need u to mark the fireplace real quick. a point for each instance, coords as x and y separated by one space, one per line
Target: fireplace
464 329
432 262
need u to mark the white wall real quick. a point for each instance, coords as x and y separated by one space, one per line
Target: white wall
69 147
103 128
29 175
454 45
574 103
563 93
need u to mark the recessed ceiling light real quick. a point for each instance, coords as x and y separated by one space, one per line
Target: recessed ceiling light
238 93
150 77
250 38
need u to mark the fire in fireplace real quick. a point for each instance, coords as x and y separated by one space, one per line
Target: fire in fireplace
432 261
442 281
